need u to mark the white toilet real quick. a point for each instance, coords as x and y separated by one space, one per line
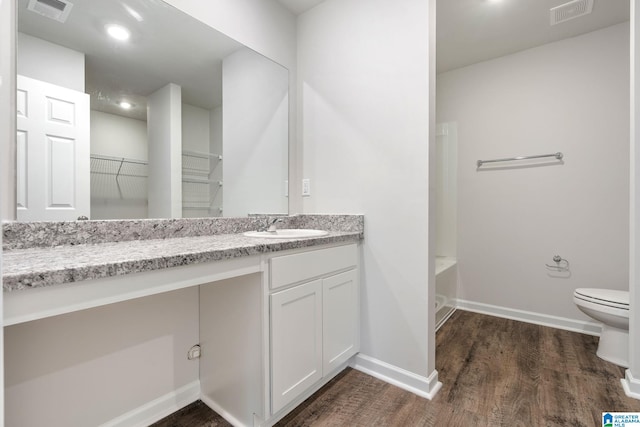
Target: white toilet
612 309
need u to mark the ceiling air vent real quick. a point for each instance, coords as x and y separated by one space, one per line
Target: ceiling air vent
54 9
571 10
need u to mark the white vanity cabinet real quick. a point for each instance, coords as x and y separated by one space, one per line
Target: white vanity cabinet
314 319
272 329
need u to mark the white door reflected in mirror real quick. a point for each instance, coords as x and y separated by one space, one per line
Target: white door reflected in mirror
52 152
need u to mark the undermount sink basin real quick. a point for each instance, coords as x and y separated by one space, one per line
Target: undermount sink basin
290 233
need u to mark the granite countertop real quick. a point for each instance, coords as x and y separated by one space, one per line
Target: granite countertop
47 266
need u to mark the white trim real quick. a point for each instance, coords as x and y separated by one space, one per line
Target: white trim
583 327
159 408
631 385
416 384
445 318
220 411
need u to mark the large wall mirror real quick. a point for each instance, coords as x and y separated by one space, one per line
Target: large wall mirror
134 109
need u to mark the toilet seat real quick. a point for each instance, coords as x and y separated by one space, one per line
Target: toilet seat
604 297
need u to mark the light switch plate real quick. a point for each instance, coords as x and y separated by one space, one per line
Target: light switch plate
306 187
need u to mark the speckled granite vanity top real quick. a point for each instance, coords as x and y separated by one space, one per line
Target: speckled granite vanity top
46 254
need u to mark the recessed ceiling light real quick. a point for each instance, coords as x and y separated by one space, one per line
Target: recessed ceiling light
118 32
134 13
126 105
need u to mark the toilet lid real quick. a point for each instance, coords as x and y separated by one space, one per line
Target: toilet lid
608 297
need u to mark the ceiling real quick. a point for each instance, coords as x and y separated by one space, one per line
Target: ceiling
471 31
468 31
166 46
300 6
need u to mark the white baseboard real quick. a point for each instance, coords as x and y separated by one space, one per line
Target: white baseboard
159 408
220 411
584 327
631 385
417 384
426 387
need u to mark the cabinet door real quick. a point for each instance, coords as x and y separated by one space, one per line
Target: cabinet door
296 342
340 319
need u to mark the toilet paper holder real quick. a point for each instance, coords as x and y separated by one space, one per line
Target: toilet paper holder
561 264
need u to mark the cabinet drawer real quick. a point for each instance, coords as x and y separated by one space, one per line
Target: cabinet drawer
303 266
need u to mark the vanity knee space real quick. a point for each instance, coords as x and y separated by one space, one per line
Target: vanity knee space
314 319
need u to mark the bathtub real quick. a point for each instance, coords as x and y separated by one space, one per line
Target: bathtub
446 288
444 263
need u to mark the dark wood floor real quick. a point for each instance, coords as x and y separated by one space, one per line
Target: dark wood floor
494 372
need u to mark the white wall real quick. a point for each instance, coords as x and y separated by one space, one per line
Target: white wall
49 62
164 130
255 105
88 367
364 106
195 128
571 96
118 136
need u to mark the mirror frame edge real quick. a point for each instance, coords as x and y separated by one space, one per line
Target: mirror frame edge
8 117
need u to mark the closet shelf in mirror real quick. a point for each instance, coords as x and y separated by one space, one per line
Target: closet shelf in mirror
118 178
201 184
118 166
197 164
189 153
195 180
201 194
198 206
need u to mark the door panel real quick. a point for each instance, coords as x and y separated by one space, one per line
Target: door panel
53 152
61 174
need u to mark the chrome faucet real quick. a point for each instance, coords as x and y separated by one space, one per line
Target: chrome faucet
271 224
